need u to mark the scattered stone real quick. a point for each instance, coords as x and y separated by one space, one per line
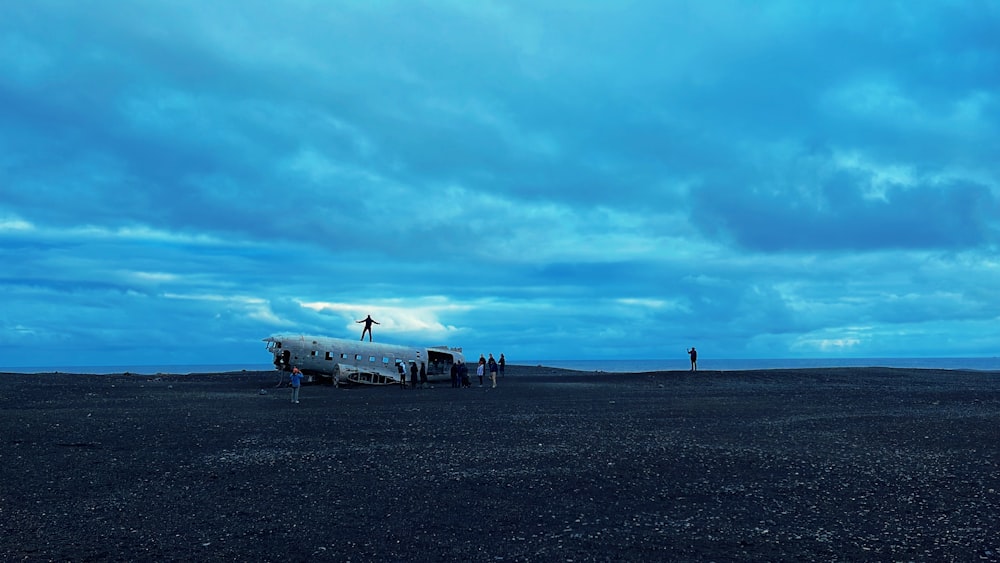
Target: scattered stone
795 465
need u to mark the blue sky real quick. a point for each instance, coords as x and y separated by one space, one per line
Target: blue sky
551 180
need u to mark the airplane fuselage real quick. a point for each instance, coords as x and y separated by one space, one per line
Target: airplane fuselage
353 361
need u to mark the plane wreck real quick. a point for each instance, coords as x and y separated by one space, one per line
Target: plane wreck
350 361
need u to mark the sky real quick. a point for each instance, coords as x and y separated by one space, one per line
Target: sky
180 179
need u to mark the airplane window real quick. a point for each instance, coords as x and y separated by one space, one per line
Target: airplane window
343 355
357 357
313 353
329 356
371 358
385 360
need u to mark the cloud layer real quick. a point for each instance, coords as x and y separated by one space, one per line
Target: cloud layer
605 180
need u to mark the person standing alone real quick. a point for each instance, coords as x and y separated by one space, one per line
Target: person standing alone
296 378
694 358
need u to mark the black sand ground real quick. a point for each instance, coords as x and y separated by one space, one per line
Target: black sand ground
799 465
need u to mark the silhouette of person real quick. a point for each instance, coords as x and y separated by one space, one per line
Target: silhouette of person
402 374
463 373
502 363
694 358
368 327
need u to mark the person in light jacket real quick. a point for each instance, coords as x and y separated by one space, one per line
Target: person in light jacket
296 378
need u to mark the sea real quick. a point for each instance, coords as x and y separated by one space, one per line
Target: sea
624 366
610 366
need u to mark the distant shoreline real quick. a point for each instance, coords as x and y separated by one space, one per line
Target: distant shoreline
610 366
531 371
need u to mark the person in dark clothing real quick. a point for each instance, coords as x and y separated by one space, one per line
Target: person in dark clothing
413 375
502 363
454 375
493 370
368 327
423 375
694 358
463 373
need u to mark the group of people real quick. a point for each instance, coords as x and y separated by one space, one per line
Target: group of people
418 375
460 375
490 367
495 368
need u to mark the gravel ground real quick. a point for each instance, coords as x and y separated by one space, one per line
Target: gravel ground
841 464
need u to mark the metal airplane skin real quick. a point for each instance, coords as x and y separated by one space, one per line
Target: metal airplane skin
353 361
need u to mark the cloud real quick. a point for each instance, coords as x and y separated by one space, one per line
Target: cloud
552 180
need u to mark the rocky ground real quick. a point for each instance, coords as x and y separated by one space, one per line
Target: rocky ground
819 464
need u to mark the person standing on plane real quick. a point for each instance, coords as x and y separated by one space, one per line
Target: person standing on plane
296 377
368 327
694 358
